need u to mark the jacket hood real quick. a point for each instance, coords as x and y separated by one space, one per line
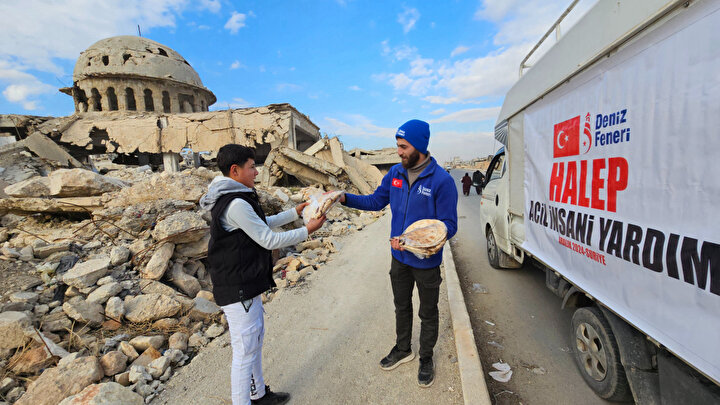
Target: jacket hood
220 186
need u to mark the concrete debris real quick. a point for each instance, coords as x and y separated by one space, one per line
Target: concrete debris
72 205
81 183
124 272
325 162
181 227
12 329
45 148
37 186
383 159
57 383
104 393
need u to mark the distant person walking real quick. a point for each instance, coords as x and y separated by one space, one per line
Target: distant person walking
241 238
477 180
416 189
466 182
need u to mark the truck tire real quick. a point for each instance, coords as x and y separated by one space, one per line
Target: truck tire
493 252
597 356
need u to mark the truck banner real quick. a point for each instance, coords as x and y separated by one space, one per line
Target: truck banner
622 184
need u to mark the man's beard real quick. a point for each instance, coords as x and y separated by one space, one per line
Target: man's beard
412 160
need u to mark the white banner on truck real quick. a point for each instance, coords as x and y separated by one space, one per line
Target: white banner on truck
622 183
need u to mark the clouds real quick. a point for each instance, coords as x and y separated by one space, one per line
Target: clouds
469 80
444 145
356 125
236 102
236 65
289 87
469 115
38 33
397 53
485 78
212 5
62 29
408 18
459 50
236 21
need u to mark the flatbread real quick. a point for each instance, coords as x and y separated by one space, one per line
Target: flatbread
321 204
425 233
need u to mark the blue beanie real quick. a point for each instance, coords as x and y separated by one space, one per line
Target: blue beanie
417 133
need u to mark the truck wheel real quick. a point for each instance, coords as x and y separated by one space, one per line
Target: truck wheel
492 250
597 355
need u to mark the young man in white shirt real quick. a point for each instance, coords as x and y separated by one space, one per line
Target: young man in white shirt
239 255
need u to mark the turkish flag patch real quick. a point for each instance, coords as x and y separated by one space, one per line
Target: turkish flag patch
397 183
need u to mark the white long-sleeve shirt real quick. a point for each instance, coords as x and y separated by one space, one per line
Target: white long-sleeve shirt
240 215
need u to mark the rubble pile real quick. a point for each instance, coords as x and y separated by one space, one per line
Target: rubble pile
383 159
325 162
120 295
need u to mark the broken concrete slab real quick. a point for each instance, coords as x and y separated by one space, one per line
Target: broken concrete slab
316 147
370 173
81 183
181 227
50 205
337 151
38 186
358 180
44 147
304 173
311 161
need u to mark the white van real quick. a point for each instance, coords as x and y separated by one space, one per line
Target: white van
609 181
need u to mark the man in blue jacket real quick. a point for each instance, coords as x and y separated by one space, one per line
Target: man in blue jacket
416 189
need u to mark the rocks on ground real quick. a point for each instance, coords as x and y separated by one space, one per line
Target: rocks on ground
104 307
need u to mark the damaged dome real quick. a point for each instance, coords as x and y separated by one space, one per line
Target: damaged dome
130 73
134 56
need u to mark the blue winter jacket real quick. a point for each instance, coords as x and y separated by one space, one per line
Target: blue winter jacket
432 196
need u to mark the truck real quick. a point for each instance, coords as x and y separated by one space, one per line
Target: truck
608 180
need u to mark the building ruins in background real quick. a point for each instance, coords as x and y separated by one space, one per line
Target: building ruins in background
139 102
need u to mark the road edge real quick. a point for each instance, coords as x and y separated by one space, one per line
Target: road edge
474 388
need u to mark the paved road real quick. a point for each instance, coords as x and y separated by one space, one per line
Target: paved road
325 337
532 332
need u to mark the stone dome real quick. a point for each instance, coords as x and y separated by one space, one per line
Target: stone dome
128 73
134 56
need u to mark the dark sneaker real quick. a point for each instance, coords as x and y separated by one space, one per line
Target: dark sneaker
272 398
396 358
426 372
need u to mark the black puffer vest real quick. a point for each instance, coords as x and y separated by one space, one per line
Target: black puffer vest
240 268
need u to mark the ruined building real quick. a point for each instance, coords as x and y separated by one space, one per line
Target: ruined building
140 102
128 73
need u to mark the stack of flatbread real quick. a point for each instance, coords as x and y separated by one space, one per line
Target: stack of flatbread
320 204
424 238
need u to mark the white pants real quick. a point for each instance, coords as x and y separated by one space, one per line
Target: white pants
246 335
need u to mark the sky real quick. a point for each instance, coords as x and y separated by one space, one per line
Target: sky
358 69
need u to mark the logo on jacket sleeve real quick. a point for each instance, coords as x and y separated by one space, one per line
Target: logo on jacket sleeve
397 183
